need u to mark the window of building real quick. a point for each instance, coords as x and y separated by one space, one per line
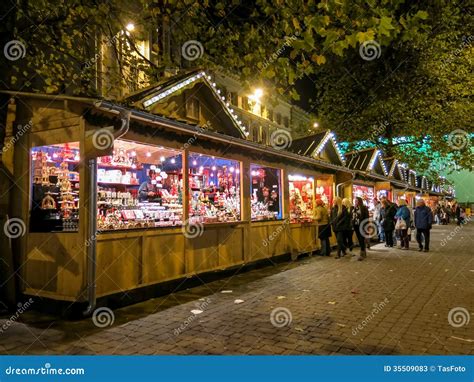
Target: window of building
55 188
214 189
266 193
286 121
301 190
270 114
139 186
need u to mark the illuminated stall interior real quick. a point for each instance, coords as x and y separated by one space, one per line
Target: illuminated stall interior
266 193
214 189
302 198
55 188
139 186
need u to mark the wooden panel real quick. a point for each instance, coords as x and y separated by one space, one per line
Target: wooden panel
259 242
163 257
202 252
231 246
278 239
54 263
303 238
118 265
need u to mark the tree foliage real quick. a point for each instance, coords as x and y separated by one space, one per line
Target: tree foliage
419 88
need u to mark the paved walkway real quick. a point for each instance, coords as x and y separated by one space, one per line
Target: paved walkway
395 302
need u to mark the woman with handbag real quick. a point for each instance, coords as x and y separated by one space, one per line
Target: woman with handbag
403 223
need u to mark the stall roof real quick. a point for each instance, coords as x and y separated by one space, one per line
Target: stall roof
368 160
394 169
157 98
321 145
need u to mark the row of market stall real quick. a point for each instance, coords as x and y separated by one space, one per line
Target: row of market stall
118 198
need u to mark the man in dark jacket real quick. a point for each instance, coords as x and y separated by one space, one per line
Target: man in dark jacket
388 222
423 223
360 217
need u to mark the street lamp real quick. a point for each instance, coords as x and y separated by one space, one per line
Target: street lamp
130 27
315 124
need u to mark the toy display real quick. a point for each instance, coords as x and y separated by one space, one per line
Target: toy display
214 190
265 193
301 198
55 179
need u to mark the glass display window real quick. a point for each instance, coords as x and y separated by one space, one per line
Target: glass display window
384 194
324 191
139 186
301 189
214 189
366 193
55 188
266 194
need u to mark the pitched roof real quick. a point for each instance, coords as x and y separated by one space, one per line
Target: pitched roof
321 145
368 160
395 170
220 115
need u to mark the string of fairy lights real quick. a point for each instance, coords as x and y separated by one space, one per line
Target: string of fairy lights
407 175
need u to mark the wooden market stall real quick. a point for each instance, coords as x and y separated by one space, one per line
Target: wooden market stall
321 146
116 198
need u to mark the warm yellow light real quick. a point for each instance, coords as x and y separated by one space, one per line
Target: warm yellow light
315 124
130 27
258 93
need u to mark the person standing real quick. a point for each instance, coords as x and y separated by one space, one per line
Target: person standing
339 217
321 215
348 232
403 223
423 224
360 213
377 218
388 222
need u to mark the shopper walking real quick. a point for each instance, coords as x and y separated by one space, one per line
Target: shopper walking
403 223
348 232
339 218
423 224
388 222
378 209
360 213
321 215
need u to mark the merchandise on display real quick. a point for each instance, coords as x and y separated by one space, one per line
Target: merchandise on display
214 189
366 193
301 198
55 188
265 193
139 186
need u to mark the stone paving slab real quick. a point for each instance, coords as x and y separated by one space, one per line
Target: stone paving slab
394 302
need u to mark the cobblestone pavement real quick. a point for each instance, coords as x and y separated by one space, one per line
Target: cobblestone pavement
395 302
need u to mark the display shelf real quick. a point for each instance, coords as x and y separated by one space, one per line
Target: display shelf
119 167
118 184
